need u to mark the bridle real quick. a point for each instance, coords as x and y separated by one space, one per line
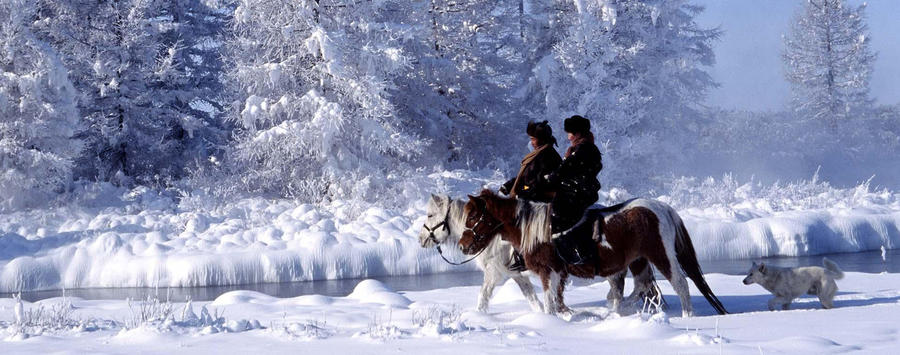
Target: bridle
479 237
444 224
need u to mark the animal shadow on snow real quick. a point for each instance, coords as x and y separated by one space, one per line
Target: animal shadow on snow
759 303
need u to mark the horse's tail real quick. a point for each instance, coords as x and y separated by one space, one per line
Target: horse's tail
684 251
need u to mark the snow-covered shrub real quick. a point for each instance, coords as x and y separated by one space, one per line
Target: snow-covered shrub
437 321
38 115
691 192
40 320
436 315
150 310
302 330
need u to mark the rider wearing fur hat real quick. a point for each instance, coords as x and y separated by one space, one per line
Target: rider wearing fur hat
529 183
576 186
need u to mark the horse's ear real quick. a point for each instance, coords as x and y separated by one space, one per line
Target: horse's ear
487 192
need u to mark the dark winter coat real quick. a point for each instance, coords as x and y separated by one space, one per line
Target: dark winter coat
576 185
532 185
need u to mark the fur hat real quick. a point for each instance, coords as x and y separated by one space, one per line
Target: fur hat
577 124
541 131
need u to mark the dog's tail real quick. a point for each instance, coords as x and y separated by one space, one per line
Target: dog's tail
687 257
832 269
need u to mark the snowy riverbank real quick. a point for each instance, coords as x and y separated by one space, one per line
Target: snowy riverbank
145 240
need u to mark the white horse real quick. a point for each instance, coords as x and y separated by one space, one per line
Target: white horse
444 225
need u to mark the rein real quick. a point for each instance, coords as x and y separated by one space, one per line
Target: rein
446 226
441 253
437 244
479 236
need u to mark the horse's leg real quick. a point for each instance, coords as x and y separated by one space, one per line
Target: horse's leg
560 289
642 274
491 279
666 266
680 284
528 291
548 280
616 289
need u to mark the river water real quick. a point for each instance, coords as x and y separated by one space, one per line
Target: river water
869 262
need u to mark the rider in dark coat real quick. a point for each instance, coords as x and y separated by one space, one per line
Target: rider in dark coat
530 183
576 188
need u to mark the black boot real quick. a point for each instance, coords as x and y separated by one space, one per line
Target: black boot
576 245
516 263
566 250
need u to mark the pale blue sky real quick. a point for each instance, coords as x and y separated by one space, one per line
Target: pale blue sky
748 55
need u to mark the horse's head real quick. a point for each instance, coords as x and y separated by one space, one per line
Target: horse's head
481 225
437 221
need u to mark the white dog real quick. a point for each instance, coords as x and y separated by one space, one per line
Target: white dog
789 283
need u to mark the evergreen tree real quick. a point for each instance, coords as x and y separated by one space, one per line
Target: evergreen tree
38 114
312 81
636 69
467 61
134 89
828 61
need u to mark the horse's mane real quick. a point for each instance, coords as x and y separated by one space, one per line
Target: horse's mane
457 218
532 219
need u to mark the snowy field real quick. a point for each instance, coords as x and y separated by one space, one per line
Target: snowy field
137 238
374 319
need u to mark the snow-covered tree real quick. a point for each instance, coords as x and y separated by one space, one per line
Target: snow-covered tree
636 69
313 81
467 62
38 114
199 27
130 73
828 61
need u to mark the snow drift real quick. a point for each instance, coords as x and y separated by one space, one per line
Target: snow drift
145 240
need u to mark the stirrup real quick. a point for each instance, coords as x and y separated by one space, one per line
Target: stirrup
516 262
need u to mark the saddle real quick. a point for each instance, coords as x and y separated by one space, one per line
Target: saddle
577 245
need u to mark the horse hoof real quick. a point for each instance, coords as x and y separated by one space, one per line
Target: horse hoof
566 314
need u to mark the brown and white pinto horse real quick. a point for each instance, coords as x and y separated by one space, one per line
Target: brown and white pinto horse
639 228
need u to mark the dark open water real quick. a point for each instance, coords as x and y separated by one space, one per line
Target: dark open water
869 262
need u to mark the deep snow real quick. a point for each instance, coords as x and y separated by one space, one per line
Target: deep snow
375 319
138 238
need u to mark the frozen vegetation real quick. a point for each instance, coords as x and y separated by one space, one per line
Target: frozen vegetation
376 319
121 238
186 143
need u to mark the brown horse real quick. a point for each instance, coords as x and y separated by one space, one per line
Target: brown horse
639 228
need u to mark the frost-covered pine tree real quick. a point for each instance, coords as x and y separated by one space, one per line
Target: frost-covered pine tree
134 95
828 61
313 81
38 114
198 31
467 63
636 69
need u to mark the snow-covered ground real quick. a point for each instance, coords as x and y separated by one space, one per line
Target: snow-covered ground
117 238
375 319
